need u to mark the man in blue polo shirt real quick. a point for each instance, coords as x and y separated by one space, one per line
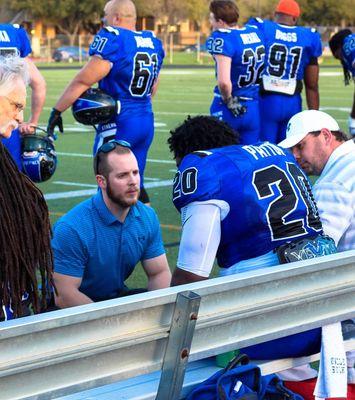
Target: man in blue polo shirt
98 243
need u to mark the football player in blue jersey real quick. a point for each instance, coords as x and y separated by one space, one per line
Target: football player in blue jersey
258 202
126 63
14 41
247 205
342 45
291 59
239 57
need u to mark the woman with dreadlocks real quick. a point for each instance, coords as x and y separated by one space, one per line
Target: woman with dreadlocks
342 45
24 221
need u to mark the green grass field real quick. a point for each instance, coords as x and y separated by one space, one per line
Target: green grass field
182 92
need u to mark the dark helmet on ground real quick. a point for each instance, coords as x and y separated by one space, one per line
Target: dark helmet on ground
38 156
94 107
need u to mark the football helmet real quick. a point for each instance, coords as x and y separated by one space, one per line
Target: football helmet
38 156
94 107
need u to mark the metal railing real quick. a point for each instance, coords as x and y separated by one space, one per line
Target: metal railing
66 351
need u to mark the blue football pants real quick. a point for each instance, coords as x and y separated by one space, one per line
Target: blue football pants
247 125
275 112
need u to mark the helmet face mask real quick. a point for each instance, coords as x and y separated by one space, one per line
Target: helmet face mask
39 159
93 107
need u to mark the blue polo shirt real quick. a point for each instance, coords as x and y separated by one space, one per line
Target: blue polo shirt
90 243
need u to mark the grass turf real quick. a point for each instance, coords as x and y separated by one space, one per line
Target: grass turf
181 92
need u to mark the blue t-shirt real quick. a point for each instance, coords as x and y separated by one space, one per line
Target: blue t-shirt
246 49
289 49
14 40
136 59
90 243
349 53
269 198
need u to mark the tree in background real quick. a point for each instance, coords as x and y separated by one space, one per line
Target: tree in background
328 12
68 16
197 11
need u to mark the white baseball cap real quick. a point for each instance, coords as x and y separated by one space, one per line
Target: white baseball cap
305 122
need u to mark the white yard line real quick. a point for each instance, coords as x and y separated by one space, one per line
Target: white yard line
90 192
90 156
343 109
89 185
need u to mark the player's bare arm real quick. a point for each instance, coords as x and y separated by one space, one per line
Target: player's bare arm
95 70
311 77
180 277
38 97
224 76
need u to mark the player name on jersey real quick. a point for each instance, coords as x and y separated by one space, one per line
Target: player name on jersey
249 38
144 42
286 36
264 150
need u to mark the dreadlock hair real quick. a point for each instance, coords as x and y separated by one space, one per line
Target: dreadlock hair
336 42
25 235
200 133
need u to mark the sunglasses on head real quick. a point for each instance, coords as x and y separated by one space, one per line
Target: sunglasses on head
106 148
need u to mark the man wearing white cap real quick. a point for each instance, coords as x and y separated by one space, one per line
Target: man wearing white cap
321 148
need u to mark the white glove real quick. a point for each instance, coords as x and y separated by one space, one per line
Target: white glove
351 123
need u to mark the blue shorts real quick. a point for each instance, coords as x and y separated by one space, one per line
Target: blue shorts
138 131
13 145
247 125
297 345
275 112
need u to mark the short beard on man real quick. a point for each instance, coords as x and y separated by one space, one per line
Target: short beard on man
119 199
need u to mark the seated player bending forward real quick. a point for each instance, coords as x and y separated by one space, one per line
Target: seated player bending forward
245 204
250 205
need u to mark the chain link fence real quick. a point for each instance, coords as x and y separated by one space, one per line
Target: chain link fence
176 44
68 49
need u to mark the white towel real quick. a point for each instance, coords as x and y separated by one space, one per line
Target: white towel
332 375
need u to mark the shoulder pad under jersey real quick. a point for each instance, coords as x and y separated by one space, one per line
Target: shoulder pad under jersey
223 30
113 30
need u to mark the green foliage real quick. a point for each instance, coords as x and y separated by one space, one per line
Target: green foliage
71 15
67 15
328 12
197 10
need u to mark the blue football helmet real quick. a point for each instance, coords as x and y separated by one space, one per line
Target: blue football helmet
94 107
38 156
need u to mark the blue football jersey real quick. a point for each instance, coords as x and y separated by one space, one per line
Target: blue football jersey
14 40
289 49
349 53
269 198
246 49
136 59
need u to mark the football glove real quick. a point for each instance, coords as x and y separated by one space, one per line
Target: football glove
235 107
351 123
55 120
